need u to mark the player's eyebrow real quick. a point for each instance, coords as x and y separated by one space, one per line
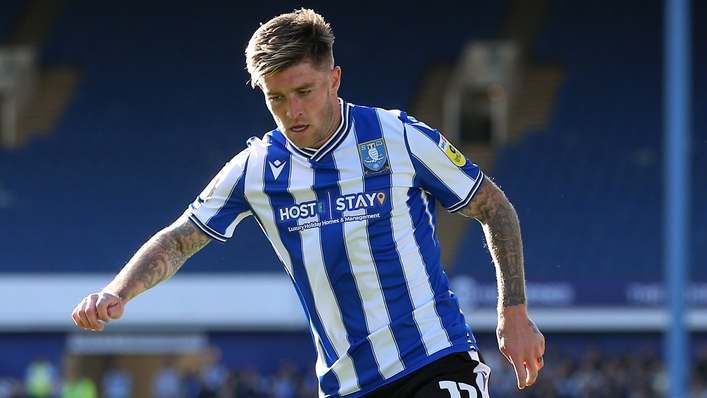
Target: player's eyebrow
304 86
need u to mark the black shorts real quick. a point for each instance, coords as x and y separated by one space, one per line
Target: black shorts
459 375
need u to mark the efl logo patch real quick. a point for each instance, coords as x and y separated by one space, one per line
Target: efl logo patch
374 156
452 153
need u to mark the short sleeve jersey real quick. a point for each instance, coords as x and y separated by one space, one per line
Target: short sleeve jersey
354 223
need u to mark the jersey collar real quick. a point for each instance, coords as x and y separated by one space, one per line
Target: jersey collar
333 141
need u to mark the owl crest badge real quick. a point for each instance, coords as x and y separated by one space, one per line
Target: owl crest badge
374 156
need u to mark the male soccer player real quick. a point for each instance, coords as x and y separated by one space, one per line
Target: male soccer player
346 194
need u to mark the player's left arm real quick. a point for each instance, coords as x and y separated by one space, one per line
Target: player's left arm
518 337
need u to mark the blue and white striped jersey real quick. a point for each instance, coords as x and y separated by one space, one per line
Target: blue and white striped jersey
354 225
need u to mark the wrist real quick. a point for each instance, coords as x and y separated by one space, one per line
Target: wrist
512 310
116 292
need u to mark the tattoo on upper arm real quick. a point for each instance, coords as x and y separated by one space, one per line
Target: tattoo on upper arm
500 222
189 239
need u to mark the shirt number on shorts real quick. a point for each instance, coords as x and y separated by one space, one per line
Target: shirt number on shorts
455 389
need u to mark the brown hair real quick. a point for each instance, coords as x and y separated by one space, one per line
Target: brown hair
288 39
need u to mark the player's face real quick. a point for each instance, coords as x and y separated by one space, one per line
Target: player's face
304 102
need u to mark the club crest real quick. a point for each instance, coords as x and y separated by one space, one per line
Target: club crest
374 156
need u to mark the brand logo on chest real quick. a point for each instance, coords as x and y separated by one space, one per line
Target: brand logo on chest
332 209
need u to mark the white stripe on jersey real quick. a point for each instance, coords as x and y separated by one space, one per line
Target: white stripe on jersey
429 324
385 350
348 380
326 303
259 201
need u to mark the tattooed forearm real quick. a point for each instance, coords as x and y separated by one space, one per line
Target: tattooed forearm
158 259
502 229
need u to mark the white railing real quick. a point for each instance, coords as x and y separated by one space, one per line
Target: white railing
248 302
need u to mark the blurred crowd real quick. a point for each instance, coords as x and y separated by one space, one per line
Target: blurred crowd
594 373
43 380
597 373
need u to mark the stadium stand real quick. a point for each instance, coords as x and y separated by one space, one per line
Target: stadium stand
163 103
588 188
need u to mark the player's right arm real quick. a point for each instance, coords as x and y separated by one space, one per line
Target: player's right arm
156 261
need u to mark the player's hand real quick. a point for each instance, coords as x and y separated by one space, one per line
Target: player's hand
521 342
97 308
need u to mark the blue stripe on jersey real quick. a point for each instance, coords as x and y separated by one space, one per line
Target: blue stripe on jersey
329 383
385 255
425 222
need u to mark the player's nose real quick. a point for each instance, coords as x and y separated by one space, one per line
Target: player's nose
294 107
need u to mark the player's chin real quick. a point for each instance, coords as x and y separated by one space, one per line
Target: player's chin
301 139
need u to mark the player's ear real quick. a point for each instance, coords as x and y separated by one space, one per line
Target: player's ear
336 78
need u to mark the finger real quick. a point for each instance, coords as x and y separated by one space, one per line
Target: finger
539 362
75 315
81 314
116 310
521 374
531 371
92 313
102 308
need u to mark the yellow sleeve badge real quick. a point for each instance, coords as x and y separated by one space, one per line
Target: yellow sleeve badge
452 153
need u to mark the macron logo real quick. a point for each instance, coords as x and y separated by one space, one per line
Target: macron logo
276 168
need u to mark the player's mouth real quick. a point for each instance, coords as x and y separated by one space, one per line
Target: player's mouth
299 128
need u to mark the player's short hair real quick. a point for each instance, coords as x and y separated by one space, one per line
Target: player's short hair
289 39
